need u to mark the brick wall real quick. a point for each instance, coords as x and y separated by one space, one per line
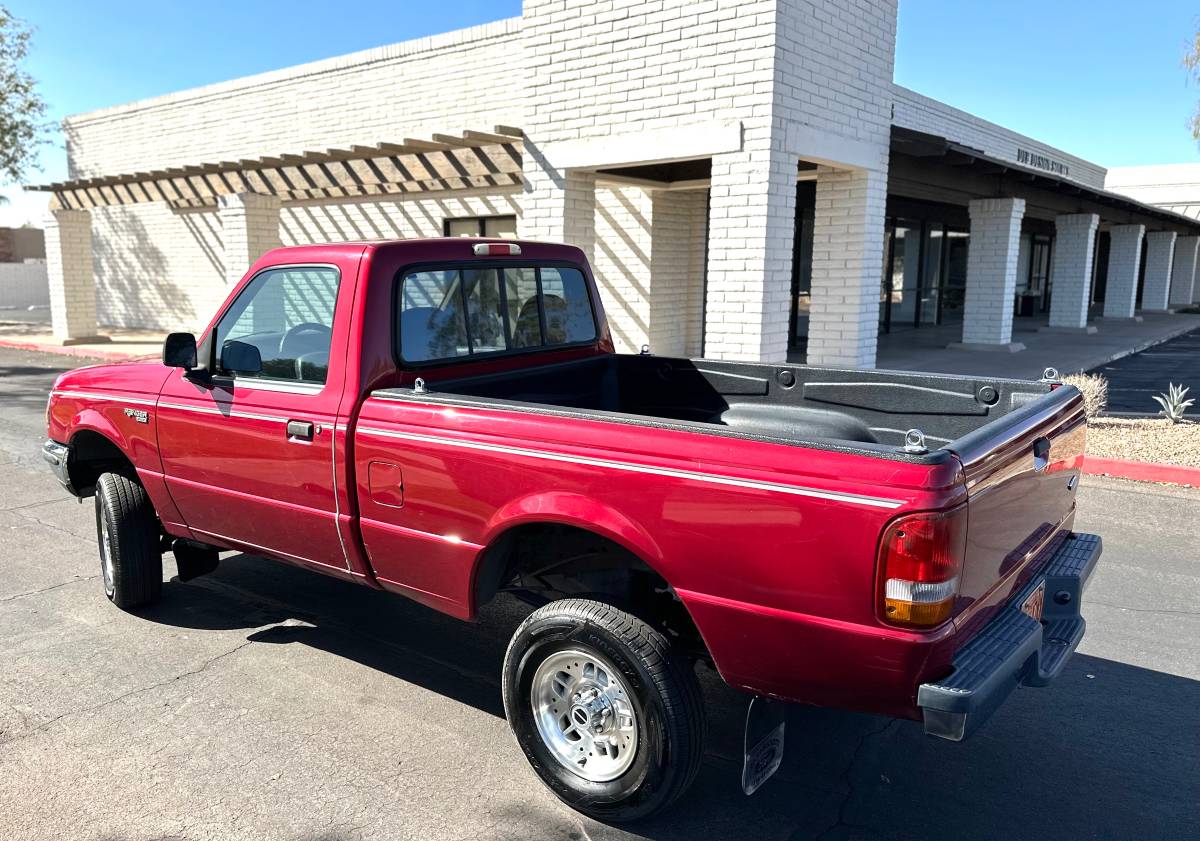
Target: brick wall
1074 250
157 268
992 267
68 264
676 272
622 262
921 113
649 267
166 269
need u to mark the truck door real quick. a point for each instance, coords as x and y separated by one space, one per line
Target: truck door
249 456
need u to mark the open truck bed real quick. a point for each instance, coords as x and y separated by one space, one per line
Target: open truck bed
869 411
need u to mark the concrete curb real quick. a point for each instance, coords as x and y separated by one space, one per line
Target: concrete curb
69 350
1141 471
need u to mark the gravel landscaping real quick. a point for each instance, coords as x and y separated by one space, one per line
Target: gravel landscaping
1155 440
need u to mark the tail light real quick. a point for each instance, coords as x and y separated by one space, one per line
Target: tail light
920 562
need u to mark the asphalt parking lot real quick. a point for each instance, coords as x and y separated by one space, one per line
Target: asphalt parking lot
266 702
1133 380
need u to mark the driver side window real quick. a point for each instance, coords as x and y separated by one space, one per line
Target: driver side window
287 314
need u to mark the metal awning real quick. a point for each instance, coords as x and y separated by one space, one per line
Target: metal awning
472 159
918 144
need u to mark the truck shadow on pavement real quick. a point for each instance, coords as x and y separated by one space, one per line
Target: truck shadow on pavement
1107 751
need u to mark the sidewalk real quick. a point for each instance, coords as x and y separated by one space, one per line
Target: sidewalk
925 349
125 344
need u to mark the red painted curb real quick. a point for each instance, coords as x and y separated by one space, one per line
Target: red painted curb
71 350
1141 471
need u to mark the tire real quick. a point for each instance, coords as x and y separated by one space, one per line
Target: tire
128 533
637 742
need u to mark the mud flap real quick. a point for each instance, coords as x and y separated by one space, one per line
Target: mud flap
764 743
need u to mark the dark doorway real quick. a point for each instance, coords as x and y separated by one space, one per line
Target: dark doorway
802 243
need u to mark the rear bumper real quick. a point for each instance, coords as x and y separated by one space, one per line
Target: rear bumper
58 457
1013 649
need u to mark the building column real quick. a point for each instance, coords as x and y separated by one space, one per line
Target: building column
1074 253
249 229
847 256
752 219
558 206
1160 257
1124 260
992 274
1183 272
72 282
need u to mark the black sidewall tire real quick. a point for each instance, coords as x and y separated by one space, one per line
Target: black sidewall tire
661 769
134 540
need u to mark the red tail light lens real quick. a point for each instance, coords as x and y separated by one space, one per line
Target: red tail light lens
920 561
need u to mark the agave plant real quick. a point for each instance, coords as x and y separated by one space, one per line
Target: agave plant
1173 403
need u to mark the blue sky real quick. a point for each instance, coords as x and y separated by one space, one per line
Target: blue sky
1087 76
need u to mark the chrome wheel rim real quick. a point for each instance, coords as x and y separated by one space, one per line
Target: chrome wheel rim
585 715
106 560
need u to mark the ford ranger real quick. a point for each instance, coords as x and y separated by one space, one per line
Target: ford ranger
447 420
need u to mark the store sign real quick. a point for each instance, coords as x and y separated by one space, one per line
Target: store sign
1037 161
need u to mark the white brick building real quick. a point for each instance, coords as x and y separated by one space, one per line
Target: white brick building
744 174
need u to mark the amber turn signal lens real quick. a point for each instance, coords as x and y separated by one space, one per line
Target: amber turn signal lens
912 613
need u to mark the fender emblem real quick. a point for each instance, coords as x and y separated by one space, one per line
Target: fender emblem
139 415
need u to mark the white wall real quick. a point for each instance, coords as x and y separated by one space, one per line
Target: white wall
1174 187
921 113
161 268
24 285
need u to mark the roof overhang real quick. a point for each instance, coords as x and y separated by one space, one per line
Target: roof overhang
924 146
469 160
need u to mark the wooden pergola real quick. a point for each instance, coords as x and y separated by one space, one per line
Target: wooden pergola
472 159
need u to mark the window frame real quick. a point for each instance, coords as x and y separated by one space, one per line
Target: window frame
472 265
268 383
481 220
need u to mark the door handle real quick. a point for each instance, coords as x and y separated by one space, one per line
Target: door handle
300 429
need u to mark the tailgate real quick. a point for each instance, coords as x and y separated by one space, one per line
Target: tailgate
1021 473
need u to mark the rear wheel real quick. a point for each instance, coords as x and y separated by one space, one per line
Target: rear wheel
128 533
608 715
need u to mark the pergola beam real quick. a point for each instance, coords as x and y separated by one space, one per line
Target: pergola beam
446 162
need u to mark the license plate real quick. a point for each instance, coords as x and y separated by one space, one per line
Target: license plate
1035 603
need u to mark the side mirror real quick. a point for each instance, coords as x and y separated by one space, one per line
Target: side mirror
241 358
179 351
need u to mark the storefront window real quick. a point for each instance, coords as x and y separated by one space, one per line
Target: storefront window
924 277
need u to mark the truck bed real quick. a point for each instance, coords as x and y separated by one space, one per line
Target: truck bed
868 411
988 430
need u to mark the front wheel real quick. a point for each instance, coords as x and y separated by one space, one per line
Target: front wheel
127 529
608 715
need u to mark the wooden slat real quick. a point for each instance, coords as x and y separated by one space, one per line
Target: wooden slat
509 131
486 137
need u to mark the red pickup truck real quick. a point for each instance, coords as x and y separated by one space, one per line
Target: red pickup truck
447 420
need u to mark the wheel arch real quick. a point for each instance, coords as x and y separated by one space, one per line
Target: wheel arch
93 451
569 510
596 549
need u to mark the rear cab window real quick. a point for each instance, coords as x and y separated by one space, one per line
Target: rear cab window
470 310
